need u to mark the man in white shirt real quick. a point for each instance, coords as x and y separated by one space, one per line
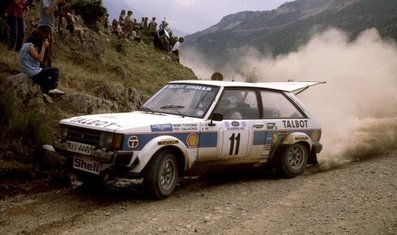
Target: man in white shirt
175 48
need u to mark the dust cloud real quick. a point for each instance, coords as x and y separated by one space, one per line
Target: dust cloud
357 107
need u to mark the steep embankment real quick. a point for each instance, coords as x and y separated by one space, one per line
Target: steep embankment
103 74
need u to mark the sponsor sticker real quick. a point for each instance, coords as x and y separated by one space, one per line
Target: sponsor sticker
185 127
167 142
161 128
133 142
94 122
190 87
235 126
271 126
295 123
87 165
192 140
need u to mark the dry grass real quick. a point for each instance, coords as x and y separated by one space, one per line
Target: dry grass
131 64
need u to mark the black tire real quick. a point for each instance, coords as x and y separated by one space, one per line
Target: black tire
293 160
161 175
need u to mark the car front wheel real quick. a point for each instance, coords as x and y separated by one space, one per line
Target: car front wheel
161 175
293 160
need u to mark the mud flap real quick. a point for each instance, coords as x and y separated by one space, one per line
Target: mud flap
312 158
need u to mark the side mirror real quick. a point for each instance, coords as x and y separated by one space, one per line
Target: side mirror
215 117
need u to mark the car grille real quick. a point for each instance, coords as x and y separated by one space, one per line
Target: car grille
82 135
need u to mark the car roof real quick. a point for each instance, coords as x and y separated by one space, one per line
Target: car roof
280 86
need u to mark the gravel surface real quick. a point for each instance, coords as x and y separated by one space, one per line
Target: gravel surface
350 198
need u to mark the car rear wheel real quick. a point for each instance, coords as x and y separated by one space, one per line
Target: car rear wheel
293 160
161 175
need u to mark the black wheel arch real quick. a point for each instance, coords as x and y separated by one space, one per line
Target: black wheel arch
176 152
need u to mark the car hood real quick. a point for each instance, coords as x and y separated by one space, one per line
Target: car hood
116 122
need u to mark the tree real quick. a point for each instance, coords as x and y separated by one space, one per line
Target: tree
91 11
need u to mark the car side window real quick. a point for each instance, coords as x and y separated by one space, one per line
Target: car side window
276 105
236 104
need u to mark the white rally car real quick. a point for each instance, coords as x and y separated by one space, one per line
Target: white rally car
189 127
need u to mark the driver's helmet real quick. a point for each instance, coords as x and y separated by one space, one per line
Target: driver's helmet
230 100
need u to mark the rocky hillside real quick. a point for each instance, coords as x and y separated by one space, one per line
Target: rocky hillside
102 74
286 28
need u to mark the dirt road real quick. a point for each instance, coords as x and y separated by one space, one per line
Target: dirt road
354 198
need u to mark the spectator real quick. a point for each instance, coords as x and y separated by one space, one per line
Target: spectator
161 40
128 25
175 48
16 23
137 26
143 23
121 18
70 21
30 55
106 21
46 23
59 15
116 28
153 26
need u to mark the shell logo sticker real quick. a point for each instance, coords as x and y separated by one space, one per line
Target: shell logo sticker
133 142
192 140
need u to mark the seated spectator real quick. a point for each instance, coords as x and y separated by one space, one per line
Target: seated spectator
30 56
135 36
70 24
116 28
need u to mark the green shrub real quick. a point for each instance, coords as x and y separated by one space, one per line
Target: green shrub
91 11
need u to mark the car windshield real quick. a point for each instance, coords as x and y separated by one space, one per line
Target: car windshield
182 99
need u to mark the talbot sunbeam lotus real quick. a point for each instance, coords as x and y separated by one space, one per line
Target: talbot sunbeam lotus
192 127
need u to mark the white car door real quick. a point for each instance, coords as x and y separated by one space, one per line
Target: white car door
239 109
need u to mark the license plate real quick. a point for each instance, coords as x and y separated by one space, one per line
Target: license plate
79 147
87 165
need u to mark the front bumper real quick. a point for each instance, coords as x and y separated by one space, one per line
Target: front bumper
123 158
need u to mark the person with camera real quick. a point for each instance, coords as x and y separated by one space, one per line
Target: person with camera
46 24
30 55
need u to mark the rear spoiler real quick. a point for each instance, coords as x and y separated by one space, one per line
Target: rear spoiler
297 87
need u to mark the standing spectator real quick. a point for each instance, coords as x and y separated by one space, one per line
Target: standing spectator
121 18
46 24
15 22
59 14
128 25
106 21
153 26
70 21
143 23
175 48
30 55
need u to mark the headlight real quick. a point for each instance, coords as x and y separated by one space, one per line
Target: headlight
112 140
63 131
107 139
117 142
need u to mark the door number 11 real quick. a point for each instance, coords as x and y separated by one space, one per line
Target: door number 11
234 144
